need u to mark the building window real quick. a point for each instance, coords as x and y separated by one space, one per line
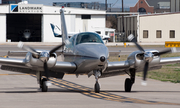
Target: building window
172 34
145 33
85 16
158 34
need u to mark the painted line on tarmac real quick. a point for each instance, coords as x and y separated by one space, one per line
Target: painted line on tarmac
102 95
13 74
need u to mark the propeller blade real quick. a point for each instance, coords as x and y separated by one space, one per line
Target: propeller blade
139 47
163 52
56 48
27 48
145 74
46 70
131 38
145 70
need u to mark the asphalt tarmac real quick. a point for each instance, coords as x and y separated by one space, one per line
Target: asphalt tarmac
22 91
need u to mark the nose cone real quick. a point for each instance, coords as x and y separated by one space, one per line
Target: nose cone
102 58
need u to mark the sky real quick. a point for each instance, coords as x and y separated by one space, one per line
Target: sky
115 3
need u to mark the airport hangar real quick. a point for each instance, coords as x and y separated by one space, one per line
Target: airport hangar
15 18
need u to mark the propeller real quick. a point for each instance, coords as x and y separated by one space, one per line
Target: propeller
43 56
148 56
28 48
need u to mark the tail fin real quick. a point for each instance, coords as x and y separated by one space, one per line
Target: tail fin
63 26
56 30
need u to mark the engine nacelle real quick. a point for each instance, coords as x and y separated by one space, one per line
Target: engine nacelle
37 63
137 59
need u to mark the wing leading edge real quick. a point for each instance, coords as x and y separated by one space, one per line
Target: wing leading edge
169 60
13 62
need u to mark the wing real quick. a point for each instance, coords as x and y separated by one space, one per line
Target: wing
116 68
169 60
20 65
13 62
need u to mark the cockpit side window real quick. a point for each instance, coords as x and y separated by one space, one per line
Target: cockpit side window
71 40
88 38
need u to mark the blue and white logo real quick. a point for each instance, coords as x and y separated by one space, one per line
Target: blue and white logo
14 8
56 30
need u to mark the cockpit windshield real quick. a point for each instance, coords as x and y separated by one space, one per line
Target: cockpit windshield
88 38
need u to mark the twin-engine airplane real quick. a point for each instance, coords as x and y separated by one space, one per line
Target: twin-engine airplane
85 53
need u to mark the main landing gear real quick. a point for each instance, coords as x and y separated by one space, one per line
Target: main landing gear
97 74
43 85
42 82
130 81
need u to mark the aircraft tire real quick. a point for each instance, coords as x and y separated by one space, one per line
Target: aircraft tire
96 87
44 87
128 85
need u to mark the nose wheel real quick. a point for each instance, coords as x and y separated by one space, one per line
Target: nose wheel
96 87
97 74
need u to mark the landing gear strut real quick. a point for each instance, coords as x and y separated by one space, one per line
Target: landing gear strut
97 74
130 81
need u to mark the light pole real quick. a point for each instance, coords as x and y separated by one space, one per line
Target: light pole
123 31
106 4
123 16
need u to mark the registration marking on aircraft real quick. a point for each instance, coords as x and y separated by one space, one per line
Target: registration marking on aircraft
102 95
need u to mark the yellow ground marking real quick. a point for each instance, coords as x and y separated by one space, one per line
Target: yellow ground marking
14 74
5 56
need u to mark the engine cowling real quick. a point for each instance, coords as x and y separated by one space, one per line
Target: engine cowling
137 59
34 62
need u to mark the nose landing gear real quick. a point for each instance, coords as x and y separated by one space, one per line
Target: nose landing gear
97 74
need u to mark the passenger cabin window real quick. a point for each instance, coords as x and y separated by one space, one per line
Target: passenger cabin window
145 33
172 34
88 38
158 34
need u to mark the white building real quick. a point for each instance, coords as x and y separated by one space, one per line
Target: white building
159 27
16 18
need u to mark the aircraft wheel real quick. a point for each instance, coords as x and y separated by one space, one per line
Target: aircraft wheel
97 87
128 85
44 87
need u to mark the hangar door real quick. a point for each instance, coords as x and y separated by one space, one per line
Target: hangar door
23 27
